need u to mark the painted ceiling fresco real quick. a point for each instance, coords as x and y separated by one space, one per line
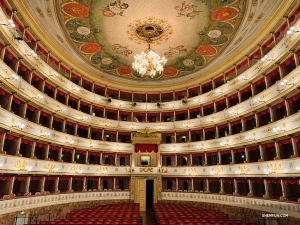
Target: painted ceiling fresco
194 32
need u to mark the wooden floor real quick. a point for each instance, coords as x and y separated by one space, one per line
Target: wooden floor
148 218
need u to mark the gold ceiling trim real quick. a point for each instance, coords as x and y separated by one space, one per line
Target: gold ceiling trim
275 18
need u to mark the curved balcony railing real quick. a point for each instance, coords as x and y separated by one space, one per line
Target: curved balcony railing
268 96
288 125
279 168
277 207
19 204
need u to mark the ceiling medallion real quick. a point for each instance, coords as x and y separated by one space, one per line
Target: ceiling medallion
155 31
159 29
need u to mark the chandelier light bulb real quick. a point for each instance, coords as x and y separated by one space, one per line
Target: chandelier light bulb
11 22
149 63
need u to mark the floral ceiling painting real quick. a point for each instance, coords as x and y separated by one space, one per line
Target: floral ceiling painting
192 32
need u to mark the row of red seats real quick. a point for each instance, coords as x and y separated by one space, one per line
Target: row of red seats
176 214
132 222
94 220
201 223
191 216
112 214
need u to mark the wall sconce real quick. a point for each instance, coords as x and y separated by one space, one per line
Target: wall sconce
269 171
46 134
249 138
158 168
76 88
78 171
233 112
277 130
132 168
159 127
93 145
292 30
83 118
209 120
186 124
297 168
219 91
70 142
199 147
223 143
258 100
266 58
32 53
120 104
104 172
285 82
239 172
39 96
242 78
196 100
184 101
97 99
54 74
10 23
133 104
53 170
62 109
13 77
188 173
1 165
172 105
213 173
19 125
158 105
26 169
107 124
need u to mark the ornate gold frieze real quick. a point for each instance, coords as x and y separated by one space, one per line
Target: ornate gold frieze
146 136
75 168
49 166
164 170
146 170
239 137
217 169
127 170
244 169
189 171
274 166
101 169
20 164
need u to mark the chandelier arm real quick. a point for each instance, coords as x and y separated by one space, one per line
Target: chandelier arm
148 63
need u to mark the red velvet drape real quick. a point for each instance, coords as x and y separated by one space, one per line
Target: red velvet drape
146 148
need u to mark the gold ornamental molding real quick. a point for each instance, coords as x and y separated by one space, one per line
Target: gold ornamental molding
146 170
146 136
20 164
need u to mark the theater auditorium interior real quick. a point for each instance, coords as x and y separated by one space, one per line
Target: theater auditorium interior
138 112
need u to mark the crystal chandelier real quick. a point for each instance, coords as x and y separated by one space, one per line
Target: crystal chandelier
148 63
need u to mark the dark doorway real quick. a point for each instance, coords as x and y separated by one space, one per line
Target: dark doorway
149 194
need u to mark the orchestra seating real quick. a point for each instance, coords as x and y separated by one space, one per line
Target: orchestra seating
176 214
110 214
